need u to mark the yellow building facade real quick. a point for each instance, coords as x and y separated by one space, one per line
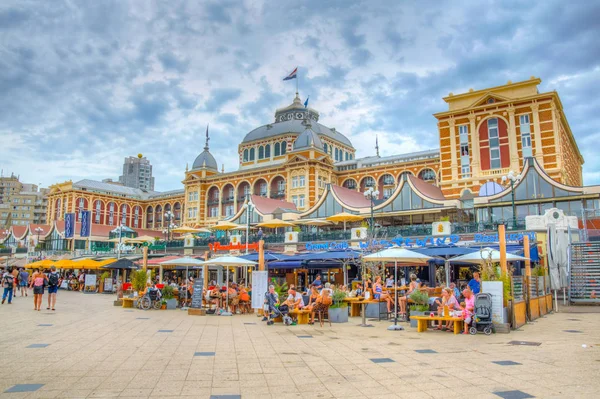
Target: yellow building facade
294 159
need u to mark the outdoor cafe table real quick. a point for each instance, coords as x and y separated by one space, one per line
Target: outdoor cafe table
354 305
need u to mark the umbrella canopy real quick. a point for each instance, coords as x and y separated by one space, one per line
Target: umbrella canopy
269 256
86 264
226 226
119 264
275 223
145 238
481 256
117 239
397 254
64 264
345 217
185 230
184 261
40 263
229 261
313 222
242 227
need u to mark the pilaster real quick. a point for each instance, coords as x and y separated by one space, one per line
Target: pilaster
512 140
537 135
453 148
475 152
555 129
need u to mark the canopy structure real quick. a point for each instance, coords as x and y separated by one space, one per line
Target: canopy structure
275 223
40 263
269 257
183 261
332 255
145 238
314 222
185 230
120 264
484 255
224 225
399 255
117 239
345 217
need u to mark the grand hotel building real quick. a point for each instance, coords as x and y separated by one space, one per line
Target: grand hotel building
296 167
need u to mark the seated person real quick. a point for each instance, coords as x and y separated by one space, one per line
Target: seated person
244 300
389 281
213 296
358 291
317 283
294 300
411 288
380 295
152 291
321 305
312 299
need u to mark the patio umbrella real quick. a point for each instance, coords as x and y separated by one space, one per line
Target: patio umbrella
185 230
313 222
229 261
226 226
485 254
145 238
345 217
275 223
40 263
186 261
404 256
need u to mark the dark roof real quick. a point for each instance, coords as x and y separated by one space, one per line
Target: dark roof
429 190
351 198
267 205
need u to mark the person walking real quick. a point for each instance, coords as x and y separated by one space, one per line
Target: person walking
8 281
37 283
15 274
53 282
23 281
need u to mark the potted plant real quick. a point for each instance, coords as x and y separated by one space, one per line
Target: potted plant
169 297
163 305
138 281
338 311
420 305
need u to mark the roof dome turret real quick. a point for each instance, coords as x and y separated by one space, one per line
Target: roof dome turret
205 160
308 138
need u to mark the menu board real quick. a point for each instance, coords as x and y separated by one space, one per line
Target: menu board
259 288
197 295
496 289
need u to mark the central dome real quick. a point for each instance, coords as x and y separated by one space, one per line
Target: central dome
289 120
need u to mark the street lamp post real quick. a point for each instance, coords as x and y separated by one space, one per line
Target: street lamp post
513 178
169 216
372 195
119 229
249 207
38 230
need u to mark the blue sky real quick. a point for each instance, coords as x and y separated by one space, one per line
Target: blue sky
84 84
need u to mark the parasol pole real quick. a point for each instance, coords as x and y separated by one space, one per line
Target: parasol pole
227 312
395 326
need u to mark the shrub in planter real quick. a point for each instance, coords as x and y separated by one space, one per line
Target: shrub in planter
420 307
338 311
169 297
138 280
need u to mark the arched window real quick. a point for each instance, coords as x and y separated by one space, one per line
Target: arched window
245 159
351 157
268 151
261 152
283 147
346 156
336 154
427 175
277 149
325 148
252 154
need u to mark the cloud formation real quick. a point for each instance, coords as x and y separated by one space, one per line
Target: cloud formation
85 84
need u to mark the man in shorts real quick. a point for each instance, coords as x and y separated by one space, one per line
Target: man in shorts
23 281
53 282
7 281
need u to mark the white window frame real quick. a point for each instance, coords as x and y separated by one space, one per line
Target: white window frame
295 182
301 181
525 128
465 171
301 201
496 147
295 200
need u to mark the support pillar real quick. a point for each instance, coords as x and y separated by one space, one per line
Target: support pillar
512 140
502 241
453 149
537 135
475 151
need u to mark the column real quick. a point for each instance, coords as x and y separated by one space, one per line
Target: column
537 135
475 151
555 129
453 148
512 140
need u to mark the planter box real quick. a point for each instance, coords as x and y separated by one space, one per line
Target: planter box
171 303
413 322
118 302
373 309
338 315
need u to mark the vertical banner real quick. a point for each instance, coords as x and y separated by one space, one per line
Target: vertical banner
260 285
69 225
86 219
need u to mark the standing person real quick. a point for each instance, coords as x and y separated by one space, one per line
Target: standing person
271 311
23 281
15 274
37 283
317 283
260 234
53 282
8 282
475 283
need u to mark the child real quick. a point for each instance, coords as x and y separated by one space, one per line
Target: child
466 315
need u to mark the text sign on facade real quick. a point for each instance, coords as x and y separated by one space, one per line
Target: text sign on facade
510 237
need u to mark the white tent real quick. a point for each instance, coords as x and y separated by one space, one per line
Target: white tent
397 255
486 254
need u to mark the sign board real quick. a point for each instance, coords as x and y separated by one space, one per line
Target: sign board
495 289
441 228
260 285
108 284
65 284
86 217
90 280
197 295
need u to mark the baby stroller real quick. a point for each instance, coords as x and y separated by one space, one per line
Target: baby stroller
284 312
482 317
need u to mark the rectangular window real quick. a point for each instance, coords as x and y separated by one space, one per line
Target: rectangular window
387 192
465 171
263 189
229 210
295 200
463 131
301 201
525 128
464 150
295 182
281 186
494 143
214 212
301 181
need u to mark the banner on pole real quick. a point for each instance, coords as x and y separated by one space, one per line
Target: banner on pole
69 225
86 218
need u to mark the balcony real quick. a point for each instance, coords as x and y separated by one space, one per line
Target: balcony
263 193
495 172
213 201
278 195
388 182
242 198
228 200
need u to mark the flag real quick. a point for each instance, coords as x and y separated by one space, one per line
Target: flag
306 102
86 217
292 75
69 225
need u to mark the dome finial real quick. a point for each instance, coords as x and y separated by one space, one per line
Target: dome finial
377 145
207 139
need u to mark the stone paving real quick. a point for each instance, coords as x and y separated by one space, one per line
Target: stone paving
89 348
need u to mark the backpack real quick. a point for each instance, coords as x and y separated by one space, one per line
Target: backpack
53 279
8 280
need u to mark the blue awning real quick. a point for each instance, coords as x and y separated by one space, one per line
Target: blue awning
444 251
269 256
329 255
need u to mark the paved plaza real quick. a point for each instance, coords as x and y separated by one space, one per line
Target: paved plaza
90 348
